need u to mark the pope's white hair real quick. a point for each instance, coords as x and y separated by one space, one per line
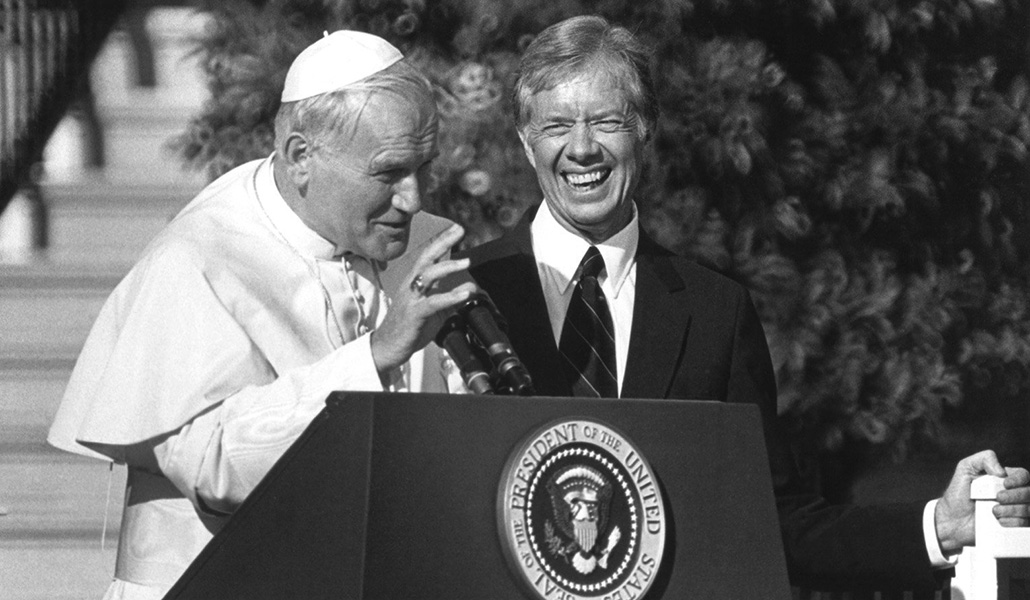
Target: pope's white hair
328 119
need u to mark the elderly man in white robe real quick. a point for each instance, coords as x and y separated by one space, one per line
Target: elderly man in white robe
267 292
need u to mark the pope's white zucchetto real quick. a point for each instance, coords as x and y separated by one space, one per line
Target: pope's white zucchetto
336 61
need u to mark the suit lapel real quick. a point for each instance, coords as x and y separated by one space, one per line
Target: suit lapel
506 269
661 322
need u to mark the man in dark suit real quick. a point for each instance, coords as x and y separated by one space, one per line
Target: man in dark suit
660 326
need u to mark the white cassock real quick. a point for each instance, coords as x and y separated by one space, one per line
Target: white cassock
212 356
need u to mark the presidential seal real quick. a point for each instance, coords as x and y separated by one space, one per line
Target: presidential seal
580 513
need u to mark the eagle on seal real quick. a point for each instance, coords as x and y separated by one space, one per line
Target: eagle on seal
580 500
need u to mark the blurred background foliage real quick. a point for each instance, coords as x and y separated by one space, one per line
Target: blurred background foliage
860 165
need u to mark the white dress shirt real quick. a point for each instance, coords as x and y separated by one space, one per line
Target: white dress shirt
558 253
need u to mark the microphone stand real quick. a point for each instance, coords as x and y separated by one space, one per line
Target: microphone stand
476 340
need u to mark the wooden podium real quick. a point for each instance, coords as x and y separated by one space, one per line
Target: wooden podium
396 496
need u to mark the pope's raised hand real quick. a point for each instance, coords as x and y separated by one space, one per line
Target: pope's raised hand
419 308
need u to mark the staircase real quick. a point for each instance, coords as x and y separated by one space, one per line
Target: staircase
53 506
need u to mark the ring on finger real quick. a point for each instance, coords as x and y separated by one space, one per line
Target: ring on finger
418 285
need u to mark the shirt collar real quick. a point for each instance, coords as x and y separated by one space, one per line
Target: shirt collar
561 251
286 222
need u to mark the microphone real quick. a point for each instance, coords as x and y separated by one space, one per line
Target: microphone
474 336
452 337
482 318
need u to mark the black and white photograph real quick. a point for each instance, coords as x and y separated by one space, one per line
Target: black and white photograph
515 299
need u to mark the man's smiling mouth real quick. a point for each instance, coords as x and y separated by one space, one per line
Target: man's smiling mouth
587 181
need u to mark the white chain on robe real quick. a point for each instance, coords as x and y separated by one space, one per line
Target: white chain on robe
353 297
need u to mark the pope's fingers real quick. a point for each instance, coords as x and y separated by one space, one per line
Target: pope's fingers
439 246
449 299
437 273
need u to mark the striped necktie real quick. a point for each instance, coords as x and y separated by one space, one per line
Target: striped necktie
587 341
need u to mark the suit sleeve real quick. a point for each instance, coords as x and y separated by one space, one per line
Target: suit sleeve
826 546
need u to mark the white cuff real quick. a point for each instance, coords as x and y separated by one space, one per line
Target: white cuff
933 546
349 367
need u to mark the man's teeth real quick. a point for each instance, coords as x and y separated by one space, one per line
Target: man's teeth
584 178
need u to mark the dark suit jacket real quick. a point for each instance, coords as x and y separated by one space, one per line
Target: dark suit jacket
696 336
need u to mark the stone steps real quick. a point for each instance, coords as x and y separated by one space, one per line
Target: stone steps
56 505
93 221
47 308
55 508
46 311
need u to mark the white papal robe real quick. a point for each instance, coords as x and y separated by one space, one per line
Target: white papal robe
212 356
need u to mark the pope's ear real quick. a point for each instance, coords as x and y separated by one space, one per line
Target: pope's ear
527 147
297 152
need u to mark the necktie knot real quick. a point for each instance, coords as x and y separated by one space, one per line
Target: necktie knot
592 264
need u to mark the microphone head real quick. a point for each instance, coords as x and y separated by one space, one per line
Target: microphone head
516 378
484 319
454 340
485 328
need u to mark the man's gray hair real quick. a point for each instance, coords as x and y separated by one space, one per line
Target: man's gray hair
326 119
573 46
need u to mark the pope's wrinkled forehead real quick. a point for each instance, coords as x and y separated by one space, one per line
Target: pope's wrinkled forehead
410 108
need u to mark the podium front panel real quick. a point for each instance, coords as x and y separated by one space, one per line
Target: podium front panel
396 496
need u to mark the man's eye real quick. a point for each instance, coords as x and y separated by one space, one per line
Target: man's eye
609 125
556 128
